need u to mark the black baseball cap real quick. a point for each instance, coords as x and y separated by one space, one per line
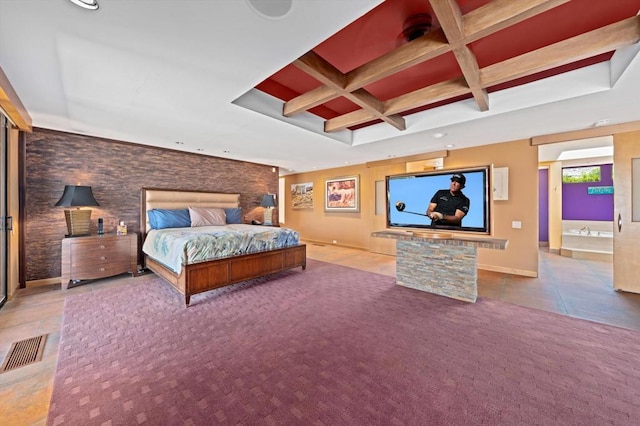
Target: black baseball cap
459 177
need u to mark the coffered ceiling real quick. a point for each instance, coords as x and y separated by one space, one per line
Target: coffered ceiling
332 82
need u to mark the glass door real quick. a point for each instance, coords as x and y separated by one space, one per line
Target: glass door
3 209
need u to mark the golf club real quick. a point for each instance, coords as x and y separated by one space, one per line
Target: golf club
400 206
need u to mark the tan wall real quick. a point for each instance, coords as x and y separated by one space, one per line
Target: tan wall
354 229
521 256
555 206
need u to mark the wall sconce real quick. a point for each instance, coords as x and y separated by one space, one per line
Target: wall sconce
78 220
268 202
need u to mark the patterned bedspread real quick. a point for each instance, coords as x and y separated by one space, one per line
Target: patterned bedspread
212 242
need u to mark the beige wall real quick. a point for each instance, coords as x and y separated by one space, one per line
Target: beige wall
555 206
521 256
354 229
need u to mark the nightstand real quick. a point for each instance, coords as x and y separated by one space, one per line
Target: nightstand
98 256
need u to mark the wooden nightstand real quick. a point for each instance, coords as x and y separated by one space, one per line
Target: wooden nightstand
98 256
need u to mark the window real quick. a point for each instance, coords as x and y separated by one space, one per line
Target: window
581 174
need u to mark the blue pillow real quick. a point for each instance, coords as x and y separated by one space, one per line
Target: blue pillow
234 215
162 218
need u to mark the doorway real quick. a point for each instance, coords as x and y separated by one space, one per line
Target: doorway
576 198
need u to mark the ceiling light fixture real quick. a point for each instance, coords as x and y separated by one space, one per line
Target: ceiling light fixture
602 122
87 4
439 135
416 26
271 9
450 145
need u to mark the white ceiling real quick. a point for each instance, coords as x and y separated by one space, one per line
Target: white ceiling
157 72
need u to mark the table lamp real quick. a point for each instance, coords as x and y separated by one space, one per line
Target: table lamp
78 220
268 203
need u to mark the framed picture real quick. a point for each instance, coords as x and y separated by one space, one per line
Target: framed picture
302 195
342 194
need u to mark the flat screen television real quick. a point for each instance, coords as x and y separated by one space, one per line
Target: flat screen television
409 195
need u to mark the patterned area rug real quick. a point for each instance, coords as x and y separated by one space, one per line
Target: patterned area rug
334 345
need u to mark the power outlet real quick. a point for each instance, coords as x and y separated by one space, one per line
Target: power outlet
516 224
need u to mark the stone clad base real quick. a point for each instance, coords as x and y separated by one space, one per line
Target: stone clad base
447 270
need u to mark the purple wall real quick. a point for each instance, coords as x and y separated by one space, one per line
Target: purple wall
543 205
577 204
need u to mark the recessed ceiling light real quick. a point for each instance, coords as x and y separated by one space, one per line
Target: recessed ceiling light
602 122
449 145
271 9
439 135
87 4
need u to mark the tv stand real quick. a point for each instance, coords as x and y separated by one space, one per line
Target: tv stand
446 265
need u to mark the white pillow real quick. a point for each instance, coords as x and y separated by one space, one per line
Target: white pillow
206 216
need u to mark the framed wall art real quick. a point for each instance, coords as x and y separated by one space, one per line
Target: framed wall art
342 194
302 195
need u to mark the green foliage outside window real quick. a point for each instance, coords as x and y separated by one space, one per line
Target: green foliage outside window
581 174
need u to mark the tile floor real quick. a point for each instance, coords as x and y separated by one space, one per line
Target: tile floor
575 287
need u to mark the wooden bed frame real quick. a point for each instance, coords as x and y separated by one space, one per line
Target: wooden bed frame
204 276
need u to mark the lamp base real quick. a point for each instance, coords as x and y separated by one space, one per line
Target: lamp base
268 216
78 222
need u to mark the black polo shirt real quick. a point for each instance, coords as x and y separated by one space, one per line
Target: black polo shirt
447 204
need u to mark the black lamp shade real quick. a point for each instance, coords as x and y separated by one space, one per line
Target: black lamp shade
77 196
268 201
78 220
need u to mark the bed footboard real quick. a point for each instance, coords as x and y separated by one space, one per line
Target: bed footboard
200 277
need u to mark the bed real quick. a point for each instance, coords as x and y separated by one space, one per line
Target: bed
191 278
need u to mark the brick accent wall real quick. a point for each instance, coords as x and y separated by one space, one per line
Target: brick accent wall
117 171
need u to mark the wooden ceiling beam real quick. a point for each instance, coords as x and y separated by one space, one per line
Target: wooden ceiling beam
347 120
451 19
587 45
320 69
419 50
422 49
593 43
457 31
471 71
500 14
427 95
375 106
308 100
415 99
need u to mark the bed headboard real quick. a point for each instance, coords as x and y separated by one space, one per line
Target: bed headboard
157 198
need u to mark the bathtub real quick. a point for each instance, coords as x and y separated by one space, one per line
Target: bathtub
587 243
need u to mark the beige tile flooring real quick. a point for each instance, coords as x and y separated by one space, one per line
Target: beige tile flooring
567 286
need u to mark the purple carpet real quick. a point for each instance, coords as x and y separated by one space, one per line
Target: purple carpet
335 346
